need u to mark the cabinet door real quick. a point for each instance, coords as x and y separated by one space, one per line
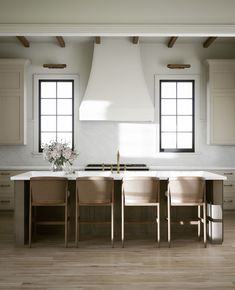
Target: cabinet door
12 119
223 118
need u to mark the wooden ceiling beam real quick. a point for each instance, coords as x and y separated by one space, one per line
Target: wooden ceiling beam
135 39
209 41
23 40
61 41
98 40
172 41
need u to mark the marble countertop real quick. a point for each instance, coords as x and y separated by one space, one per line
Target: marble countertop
163 175
151 167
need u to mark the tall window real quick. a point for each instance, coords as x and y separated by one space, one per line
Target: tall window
177 116
56 111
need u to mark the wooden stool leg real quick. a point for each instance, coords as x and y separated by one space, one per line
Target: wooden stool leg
112 226
204 224
123 223
30 224
66 227
199 222
77 225
169 221
158 225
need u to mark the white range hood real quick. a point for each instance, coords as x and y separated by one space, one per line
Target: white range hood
116 89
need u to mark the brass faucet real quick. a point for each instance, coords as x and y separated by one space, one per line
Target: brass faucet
118 162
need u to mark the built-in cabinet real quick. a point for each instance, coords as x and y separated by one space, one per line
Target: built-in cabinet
221 102
12 101
229 189
6 190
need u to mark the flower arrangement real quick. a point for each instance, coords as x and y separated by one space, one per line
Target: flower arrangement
59 154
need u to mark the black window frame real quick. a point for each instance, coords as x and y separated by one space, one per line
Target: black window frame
175 150
39 106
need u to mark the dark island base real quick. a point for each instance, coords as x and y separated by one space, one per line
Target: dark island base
214 193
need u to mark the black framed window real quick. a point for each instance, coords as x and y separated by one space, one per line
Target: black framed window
56 112
177 116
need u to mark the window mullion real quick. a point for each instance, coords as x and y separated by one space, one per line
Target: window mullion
176 117
56 112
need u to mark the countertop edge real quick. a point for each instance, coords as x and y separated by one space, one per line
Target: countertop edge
179 168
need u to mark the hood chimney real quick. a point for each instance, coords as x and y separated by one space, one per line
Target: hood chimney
116 89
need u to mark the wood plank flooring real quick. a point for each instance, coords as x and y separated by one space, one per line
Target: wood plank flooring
95 265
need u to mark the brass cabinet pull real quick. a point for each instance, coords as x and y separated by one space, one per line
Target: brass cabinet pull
5 173
230 185
5 185
228 173
5 201
228 200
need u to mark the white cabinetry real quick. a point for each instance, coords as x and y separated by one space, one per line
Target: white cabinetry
12 101
221 102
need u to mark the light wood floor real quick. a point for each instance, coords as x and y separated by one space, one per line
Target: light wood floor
95 265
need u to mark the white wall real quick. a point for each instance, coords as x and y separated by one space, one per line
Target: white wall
121 11
99 141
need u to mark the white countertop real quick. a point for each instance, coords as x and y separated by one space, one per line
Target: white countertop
163 175
151 167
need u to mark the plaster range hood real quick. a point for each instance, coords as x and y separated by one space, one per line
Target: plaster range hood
116 89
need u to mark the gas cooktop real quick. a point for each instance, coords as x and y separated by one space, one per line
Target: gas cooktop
108 166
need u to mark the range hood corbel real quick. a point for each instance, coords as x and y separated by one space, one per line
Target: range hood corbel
116 89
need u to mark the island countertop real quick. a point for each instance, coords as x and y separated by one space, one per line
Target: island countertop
163 175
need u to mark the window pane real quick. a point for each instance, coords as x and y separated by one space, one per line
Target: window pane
48 107
168 123
168 107
64 123
64 90
47 138
168 90
184 140
48 123
184 123
184 107
168 140
65 137
64 107
184 90
48 89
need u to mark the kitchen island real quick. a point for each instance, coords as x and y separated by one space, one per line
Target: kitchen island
214 196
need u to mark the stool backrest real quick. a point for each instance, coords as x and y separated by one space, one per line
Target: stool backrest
186 190
48 190
141 189
94 190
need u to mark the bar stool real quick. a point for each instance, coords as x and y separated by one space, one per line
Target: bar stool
141 191
187 191
94 191
48 192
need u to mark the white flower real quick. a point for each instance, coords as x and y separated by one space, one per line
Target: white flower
67 153
55 154
59 153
